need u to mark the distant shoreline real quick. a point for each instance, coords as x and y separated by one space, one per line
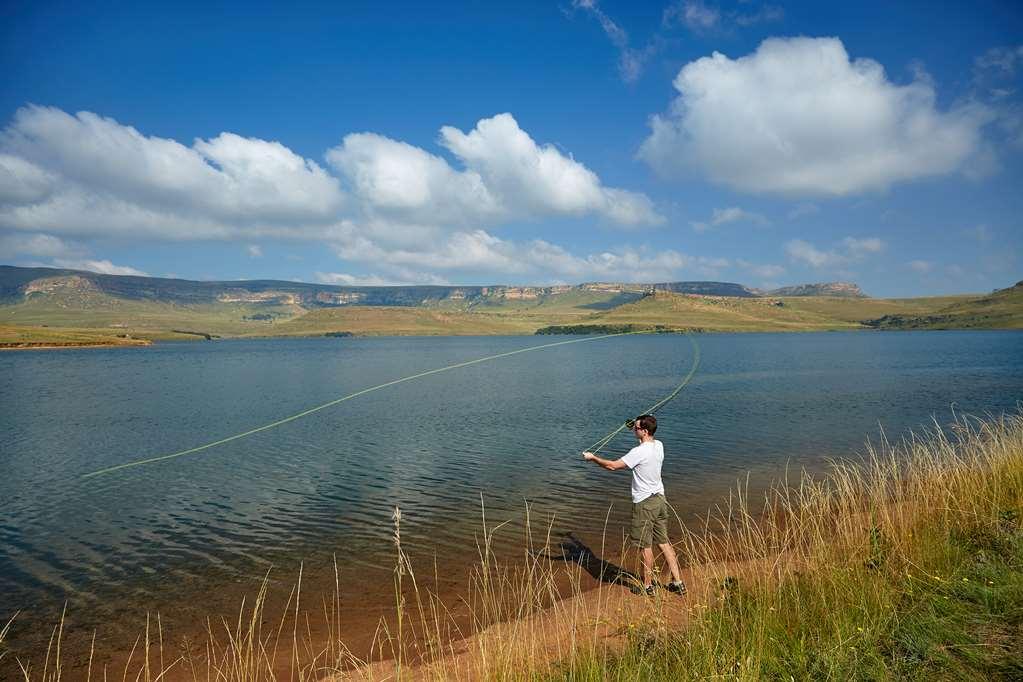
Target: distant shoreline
57 345
571 330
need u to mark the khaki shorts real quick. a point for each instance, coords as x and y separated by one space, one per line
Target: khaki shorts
650 522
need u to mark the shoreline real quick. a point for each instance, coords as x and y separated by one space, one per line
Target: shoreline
142 343
57 345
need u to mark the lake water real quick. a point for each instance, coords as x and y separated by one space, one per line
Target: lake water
190 534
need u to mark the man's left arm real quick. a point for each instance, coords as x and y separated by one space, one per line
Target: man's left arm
609 464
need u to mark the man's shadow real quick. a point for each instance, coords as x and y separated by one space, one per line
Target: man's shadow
573 549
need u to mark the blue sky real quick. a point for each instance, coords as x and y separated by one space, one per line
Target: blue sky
522 143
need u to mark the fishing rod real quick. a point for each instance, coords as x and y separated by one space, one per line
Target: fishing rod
331 403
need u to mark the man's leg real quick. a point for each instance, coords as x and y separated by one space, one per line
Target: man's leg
647 556
669 555
664 544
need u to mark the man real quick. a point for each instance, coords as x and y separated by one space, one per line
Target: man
649 508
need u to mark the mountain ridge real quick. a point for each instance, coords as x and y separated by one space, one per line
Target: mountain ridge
16 283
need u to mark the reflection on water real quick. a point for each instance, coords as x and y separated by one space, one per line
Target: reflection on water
509 430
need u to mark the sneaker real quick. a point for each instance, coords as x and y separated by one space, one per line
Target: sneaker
639 588
677 587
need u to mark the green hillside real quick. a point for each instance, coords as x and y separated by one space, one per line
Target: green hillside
77 308
1002 309
84 309
720 313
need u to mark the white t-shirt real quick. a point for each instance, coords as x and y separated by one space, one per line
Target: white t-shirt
645 461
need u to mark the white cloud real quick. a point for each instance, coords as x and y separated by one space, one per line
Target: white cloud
479 252
799 117
90 175
856 248
411 210
848 250
348 280
96 171
61 254
101 266
630 60
799 250
38 245
22 182
540 178
397 179
999 62
921 266
694 14
733 214
997 82
507 175
766 14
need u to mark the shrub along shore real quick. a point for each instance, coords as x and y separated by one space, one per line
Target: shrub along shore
906 563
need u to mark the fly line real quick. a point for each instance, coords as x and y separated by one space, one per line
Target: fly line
394 382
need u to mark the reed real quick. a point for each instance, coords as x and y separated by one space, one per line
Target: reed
905 562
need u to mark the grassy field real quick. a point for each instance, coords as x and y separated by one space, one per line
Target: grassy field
379 321
1002 309
718 313
92 317
98 315
904 564
16 335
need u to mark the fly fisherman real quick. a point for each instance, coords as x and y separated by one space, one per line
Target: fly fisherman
649 508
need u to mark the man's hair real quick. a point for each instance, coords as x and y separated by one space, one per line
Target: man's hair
647 422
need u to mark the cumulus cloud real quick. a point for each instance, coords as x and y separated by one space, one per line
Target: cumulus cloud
541 178
799 117
377 198
478 251
89 175
397 179
847 251
84 170
732 214
506 175
22 182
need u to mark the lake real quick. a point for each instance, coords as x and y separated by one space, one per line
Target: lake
189 535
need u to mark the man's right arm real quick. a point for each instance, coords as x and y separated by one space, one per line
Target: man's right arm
610 465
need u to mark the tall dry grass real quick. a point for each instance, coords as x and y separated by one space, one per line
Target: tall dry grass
809 579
